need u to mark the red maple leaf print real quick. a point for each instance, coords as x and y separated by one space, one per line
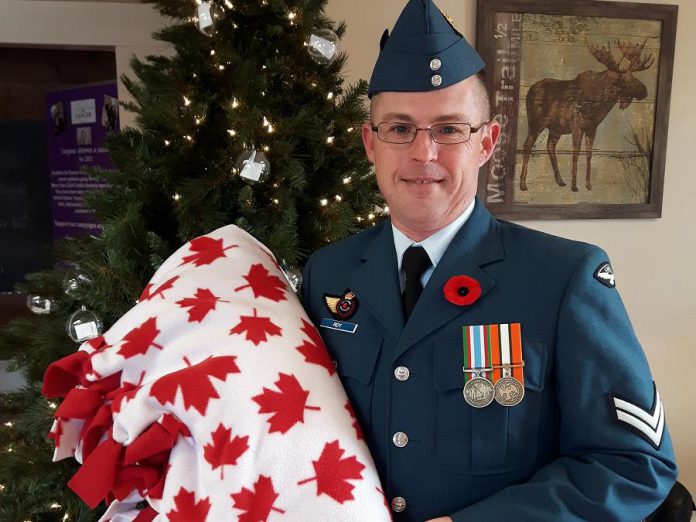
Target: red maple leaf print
356 424
256 328
224 450
146 292
203 302
273 259
263 284
257 504
167 285
194 381
187 509
287 405
314 350
205 251
334 472
140 338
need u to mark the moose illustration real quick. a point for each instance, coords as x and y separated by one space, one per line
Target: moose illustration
578 106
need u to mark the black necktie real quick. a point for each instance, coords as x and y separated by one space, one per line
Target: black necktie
414 263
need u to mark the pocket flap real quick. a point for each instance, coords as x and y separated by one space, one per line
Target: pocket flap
355 355
449 364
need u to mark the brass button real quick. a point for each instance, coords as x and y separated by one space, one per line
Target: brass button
398 504
435 64
436 80
400 439
402 373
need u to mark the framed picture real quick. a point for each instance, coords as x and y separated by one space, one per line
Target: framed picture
582 90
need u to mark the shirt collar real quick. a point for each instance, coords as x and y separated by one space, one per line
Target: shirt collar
436 244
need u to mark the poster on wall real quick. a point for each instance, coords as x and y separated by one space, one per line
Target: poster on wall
78 122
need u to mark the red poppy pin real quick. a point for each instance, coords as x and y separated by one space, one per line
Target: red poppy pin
462 290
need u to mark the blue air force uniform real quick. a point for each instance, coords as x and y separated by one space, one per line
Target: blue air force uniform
587 442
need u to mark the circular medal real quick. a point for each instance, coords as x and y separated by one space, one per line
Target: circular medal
478 392
508 391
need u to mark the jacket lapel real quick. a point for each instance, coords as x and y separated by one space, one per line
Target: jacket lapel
376 281
478 243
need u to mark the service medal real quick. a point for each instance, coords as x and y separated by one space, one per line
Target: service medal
508 391
478 392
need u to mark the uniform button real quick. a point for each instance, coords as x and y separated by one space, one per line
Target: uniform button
402 373
398 504
400 439
436 80
435 64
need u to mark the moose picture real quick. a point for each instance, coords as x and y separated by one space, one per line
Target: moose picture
582 94
587 90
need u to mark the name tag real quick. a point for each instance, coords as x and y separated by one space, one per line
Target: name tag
332 324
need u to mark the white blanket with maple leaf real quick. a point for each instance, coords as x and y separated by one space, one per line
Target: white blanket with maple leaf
213 399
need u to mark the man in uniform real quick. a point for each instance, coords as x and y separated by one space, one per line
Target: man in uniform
493 368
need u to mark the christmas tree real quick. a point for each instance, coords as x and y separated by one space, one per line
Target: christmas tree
247 122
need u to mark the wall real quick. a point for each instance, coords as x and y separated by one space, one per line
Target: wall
124 27
654 259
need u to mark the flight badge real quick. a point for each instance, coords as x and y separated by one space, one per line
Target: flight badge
342 307
605 275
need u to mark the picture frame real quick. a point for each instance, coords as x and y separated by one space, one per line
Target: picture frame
565 76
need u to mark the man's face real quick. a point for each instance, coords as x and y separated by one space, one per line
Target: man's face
428 185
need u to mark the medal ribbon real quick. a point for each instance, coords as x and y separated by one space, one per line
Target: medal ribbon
510 352
476 349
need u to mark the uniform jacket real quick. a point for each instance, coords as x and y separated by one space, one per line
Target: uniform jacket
564 453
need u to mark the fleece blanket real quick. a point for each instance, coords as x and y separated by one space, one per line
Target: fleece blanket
213 399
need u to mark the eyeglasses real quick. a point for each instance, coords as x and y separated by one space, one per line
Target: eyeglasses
445 133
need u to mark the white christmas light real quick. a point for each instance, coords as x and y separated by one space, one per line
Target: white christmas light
265 123
55 505
66 517
176 197
212 52
232 132
276 201
266 148
350 129
330 140
338 198
197 120
270 129
221 67
9 424
52 405
324 202
292 15
167 143
235 103
187 102
330 96
347 180
229 4
2 487
359 219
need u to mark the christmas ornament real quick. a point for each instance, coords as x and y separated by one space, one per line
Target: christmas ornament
75 282
323 46
209 13
293 275
253 165
38 304
83 325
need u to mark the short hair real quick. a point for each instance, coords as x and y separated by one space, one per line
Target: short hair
482 95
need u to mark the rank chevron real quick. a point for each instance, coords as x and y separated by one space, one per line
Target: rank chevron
649 424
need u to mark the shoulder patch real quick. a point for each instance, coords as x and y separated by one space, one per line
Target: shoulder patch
649 424
605 275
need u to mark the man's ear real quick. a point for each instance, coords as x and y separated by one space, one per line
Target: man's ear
368 138
491 134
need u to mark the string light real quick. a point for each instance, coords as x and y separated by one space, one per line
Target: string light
212 52
176 197
386 210
229 4
370 216
330 96
197 120
276 201
235 25
66 517
167 143
2 487
187 137
359 219
232 132
221 67
330 140
338 198
350 129
9 424
347 180
235 103
55 505
292 15
266 148
270 129
323 202
187 102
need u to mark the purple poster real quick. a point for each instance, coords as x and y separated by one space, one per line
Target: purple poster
78 121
